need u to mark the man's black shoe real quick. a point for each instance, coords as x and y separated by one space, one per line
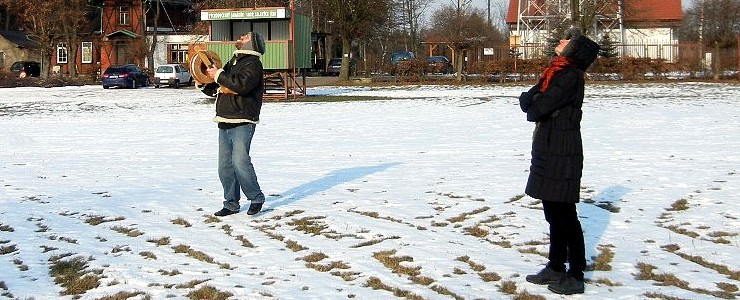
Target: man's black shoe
254 208
224 212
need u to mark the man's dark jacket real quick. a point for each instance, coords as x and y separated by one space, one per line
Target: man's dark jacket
242 75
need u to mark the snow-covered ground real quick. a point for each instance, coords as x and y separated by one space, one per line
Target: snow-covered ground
416 196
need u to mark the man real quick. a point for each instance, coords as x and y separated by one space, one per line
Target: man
238 89
554 103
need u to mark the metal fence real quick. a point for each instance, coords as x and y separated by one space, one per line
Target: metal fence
686 57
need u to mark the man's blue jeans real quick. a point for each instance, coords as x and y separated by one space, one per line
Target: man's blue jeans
235 167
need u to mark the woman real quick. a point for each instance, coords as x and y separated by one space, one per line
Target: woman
554 103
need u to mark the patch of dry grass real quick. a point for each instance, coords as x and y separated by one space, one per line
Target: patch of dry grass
722 269
6 228
532 250
182 222
314 257
97 220
190 284
507 287
375 241
645 272
73 276
211 219
245 243
515 198
163 241
422 280
19 263
8 249
309 225
199 255
326 268
602 262
476 231
294 246
210 293
376 284
125 295
446 292
172 272
393 263
132 232
148 255
464 216
679 205
606 282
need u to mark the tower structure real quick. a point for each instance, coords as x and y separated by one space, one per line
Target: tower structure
534 21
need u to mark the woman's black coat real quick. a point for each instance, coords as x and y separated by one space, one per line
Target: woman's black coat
557 149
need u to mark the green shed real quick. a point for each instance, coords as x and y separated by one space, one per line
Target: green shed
287 41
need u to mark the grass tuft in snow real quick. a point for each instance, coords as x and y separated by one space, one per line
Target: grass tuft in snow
132 232
6 228
148 255
72 274
181 221
8 249
172 272
245 243
163 241
394 263
122 295
97 220
209 292
376 284
680 204
602 262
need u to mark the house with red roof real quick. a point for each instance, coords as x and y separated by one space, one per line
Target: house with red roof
626 22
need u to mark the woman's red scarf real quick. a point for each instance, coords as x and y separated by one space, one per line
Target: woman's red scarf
557 64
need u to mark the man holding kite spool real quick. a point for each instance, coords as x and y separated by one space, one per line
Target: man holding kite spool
238 89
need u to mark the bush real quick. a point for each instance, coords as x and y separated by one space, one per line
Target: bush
8 80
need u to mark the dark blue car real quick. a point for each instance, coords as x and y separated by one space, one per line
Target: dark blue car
127 76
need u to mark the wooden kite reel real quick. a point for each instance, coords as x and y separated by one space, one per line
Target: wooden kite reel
203 60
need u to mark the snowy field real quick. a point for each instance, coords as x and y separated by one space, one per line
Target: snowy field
111 193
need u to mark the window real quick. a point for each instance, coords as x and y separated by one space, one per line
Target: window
178 53
62 53
87 56
124 15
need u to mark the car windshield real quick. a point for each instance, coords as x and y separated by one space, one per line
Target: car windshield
16 66
335 62
401 56
436 59
164 69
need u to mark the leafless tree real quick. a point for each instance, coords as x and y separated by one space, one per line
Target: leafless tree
355 20
462 28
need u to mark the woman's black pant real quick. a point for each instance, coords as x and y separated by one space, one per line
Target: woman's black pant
566 238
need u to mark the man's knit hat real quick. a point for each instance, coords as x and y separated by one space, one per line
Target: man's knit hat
255 45
580 48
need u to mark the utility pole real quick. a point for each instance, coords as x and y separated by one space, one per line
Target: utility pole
489 12
701 35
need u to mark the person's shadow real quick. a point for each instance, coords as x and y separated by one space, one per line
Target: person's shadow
324 183
595 217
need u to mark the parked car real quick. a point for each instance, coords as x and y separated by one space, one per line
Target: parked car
24 69
401 61
439 64
173 75
126 76
402 56
335 64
